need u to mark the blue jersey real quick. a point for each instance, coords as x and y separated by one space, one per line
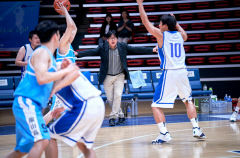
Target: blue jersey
70 55
172 53
30 88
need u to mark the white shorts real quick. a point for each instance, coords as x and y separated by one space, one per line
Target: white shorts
171 84
80 126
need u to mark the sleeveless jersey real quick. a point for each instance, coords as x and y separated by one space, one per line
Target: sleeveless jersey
29 86
81 89
28 53
70 55
172 53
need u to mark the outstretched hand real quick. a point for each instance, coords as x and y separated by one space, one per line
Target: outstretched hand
62 7
139 1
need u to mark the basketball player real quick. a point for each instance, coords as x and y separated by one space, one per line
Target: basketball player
25 51
174 80
65 49
80 122
234 115
33 92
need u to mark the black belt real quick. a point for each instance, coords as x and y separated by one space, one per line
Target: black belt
114 74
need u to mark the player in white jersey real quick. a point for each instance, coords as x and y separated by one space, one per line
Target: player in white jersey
174 80
25 51
34 90
80 122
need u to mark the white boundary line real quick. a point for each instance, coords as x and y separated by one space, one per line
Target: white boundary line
127 139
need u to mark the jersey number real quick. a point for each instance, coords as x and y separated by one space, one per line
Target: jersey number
175 49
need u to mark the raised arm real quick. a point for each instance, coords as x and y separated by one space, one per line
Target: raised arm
70 31
89 52
139 50
41 62
19 59
181 30
149 26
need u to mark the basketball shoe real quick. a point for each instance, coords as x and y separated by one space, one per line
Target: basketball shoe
197 133
234 116
162 138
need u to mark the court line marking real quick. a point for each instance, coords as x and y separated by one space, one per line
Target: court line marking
127 139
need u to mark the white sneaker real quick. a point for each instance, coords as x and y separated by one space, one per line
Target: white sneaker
197 133
162 138
234 116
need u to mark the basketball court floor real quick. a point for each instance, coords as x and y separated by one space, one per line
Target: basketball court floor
133 139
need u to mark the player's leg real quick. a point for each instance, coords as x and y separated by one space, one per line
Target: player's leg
88 153
117 96
15 154
38 148
234 115
108 87
184 92
52 149
164 97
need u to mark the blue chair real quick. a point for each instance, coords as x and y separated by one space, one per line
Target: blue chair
6 91
155 77
16 79
94 79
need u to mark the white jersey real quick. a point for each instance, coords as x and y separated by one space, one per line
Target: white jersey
172 53
28 53
84 88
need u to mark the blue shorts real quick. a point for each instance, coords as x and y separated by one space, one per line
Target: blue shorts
30 125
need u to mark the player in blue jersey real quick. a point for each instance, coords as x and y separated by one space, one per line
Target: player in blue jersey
80 122
33 92
25 51
174 80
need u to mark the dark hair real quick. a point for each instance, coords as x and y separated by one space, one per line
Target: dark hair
46 29
121 14
31 33
112 32
170 21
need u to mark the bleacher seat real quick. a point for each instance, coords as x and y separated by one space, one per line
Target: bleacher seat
89 41
141 39
234 24
113 9
188 16
153 62
217 60
212 36
187 48
94 30
217 25
96 63
225 14
207 15
81 64
235 59
195 60
202 48
95 10
221 4
198 26
223 47
231 35
155 77
165 7
131 8
6 91
202 5
194 37
98 20
135 62
92 1
184 6
149 8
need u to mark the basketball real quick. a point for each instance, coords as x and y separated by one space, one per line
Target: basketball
66 3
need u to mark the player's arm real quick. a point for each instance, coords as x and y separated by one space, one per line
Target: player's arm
71 29
181 30
41 61
53 114
19 59
149 26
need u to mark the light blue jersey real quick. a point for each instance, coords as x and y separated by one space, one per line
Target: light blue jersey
70 55
30 88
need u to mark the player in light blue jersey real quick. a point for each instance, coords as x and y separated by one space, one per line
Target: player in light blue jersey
33 92
25 51
174 80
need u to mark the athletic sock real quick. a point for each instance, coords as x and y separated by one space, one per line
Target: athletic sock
194 122
162 127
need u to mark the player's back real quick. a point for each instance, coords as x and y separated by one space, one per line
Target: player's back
28 53
172 53
70 55
29 86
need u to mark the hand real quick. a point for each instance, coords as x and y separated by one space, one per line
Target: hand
61 7
155 49
57 112
65 63
139 1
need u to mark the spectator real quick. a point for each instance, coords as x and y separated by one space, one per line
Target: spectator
114 70
125 27
25 51
107 26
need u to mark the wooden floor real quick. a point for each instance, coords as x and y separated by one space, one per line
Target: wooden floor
135 141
